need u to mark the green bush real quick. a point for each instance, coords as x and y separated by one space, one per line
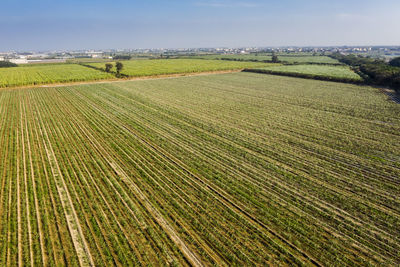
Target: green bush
395 62
7 64
378 71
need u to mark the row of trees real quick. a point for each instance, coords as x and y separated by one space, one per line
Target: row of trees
375 70
122 57
118 66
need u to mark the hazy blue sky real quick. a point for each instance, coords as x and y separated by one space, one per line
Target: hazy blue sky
81 24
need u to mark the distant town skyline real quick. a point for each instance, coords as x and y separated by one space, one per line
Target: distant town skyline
120 24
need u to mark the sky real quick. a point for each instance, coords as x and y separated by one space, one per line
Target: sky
38 25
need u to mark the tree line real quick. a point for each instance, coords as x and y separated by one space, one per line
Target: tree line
374 71
118 66
7 64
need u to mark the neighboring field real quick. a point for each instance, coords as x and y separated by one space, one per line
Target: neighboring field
283 58
318 70
61 73
308 59
259 57
137 68
48 73
235 169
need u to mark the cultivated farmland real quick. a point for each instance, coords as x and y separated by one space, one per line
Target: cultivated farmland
48 73
307 59
137 68
287 58
316 70
258 57
233 169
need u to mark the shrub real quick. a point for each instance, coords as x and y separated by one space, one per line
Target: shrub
7 64
108 67
395 62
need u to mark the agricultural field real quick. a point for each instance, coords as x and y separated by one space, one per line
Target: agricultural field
101 60
286 58
138 68
317 70
48 73
235 169
257 57
307 59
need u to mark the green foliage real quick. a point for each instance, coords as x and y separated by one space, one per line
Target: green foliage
395 62
378 71
274 58
119 66
108 67
7 64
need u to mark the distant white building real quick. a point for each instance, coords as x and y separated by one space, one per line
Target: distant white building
1 58
37 56
95 54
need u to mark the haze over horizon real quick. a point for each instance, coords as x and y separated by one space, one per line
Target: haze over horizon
88 24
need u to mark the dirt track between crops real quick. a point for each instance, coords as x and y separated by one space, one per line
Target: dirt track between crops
153 77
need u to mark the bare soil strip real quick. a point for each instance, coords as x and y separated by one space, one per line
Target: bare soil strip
117 192
19 240
193 259
159 218
219 194
38 217
80 244
28 217
219 153
180 134
191 256
54 234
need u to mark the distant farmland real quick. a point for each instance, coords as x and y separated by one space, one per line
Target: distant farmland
307 59
287 58
233 169
335 72
138 68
